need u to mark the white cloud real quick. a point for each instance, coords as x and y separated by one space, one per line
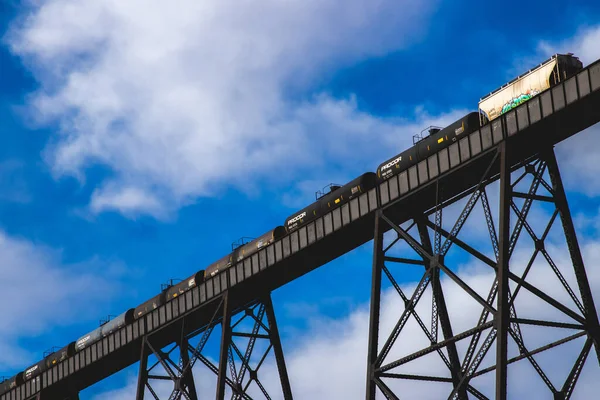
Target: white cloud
126 200
584 44
578 161
40 293
178 99
588 221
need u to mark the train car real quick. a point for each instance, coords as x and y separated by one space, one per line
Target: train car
220 265
184 285
34 370
4 386
438 140
88 339
302 217
255 245
556 69
118 322
11 383
149 305
397 164
338 196
341 195
60 355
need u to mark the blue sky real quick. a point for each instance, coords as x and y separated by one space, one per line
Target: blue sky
139 143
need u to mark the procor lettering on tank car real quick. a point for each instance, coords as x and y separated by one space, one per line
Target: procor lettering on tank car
302 217
185 285
338 196
60 355
255 245
149 305
397 164
88 339
118 322
11 383
34 370
105 330
220 265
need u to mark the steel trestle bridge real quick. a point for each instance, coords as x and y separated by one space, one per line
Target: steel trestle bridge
514 151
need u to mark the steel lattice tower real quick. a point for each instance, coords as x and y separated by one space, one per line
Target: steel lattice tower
499 324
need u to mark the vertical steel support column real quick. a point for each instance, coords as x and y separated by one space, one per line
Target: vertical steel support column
378 258
502 315
277 348
225 340
441 305
143 372
585 291
188 378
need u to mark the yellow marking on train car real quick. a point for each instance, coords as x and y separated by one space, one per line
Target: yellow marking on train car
440 140
337 201
428 148
410 157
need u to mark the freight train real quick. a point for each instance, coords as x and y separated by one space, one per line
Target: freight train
552 71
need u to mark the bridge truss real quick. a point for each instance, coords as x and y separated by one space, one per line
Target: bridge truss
237 371
500 324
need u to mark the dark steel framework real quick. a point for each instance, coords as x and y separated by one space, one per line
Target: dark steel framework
238 368
498 321
56 396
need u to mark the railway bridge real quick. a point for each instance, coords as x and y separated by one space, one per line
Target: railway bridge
515 155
